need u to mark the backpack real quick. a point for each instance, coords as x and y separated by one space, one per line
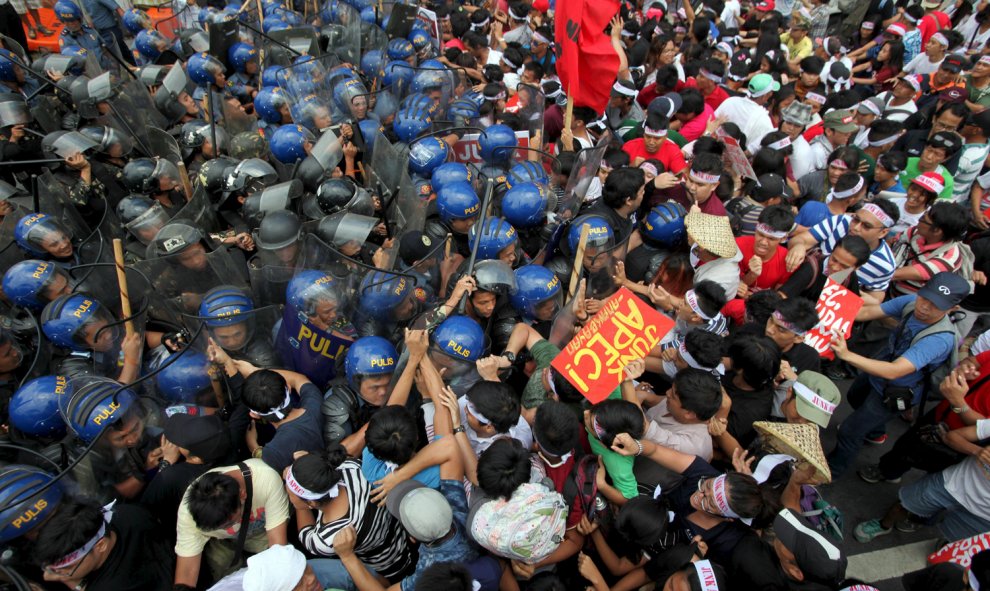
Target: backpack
816 258
527 527
823 516
737 208
933 376
582 486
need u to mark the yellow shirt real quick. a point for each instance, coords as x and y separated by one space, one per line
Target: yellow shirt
797 49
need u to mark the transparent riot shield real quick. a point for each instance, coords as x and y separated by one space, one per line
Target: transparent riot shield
585 169
236 119
372 38
53 199
198 212
346 43
300 40
599 272
181 280
132 110
529 106
248 335
164 145
316 330
388 177
146 226
307 85
14 110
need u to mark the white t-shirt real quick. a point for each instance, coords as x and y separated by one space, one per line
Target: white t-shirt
730 14
896 112
802 159
922 65
969 481
906 219
752 119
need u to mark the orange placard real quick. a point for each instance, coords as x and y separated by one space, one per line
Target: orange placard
837 308
624 330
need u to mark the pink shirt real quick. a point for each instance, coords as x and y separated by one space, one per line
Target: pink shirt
693 129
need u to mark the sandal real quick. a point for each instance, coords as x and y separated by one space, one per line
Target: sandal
32 33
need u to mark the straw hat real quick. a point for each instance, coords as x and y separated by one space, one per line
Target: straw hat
713 233
798 441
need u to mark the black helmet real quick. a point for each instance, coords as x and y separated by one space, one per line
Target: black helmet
334 194
132 207
107 137
173 238
144 175
311 173
196 132
169 106
278 230
250 175
213 173
271 199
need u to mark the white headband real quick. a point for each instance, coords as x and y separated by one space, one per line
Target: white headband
884 141
481 25
78 554
647 167
692 300
704 177
509 63
766 465
780 144
619 88
278 411
706 575
474 411
870 106
304 493
654 132
812 398
768 231
815 98
909 18
710 76
538 37
848 192
941 39
692 362
879 213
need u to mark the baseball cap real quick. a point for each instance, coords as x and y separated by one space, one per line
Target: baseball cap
871 106
840 120
202 435
762 84
913 81
949 140
931 181
930 4
424 512
816 397
765 5
797 113
953 63
666 105
981 120
813 553
945 290
768 186
414 246
896 29
952 95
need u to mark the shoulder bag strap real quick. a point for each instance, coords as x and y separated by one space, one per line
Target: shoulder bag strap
245 514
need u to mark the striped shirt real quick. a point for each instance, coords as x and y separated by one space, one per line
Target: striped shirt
381 541
876 273
970 164
927 259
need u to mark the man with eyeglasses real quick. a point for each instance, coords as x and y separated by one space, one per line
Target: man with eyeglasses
85 546
939 148
872 223
948 117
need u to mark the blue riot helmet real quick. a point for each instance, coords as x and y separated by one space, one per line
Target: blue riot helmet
400 49
463 110
386 105
240 54
75 67
312 112
185 377
460 338
270 77
428 81
496 236
387 297
34 407
204 69
316 295
664 225
599 232
150 44
67 11
33 283
136 20
369 356
458 201
269 104
274 23
494 142
94 404
8 66
370 129
451 172
351 98
525 172
29 496
525 205
420 102
538 293
426 154
368 15
372 63
206 15
397 73
410 123
226 310
79 322
421 42
41 235
288 143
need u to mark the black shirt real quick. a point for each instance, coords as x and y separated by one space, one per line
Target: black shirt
803 358
621 227
164 493
748 406
140 560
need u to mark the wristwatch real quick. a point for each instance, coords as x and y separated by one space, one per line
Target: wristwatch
510 356
458 429
960 409
163 463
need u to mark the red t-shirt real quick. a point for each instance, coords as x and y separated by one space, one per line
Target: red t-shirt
559 477
774 271
932 23
979 400
669 154
716 97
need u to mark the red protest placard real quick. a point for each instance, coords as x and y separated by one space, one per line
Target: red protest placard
961 552
837 308
624 330
735 158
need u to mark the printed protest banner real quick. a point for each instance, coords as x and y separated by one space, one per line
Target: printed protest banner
837 308
468 151
961 552
624 330
735 158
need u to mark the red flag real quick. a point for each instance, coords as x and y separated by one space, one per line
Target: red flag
586 61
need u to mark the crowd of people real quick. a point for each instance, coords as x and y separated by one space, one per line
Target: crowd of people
284 283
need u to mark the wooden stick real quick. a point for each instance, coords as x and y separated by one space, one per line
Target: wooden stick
569 111
125 300
578 261
186 185
446 245
261 13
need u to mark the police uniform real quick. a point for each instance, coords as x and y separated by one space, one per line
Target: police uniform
88 39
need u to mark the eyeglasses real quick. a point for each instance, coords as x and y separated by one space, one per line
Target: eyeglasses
866 226
925 221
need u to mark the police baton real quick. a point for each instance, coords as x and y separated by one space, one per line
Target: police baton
578 261
489 189
125 300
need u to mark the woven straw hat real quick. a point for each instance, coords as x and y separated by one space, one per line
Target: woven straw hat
713 233
798 441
